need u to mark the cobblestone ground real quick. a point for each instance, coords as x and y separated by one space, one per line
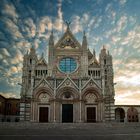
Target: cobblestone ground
77 131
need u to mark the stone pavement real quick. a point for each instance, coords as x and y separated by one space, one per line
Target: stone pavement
68 131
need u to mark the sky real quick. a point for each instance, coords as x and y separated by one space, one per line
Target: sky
113 23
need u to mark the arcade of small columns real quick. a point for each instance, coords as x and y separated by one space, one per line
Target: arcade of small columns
53 100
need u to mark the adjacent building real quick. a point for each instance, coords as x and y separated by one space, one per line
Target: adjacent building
9 109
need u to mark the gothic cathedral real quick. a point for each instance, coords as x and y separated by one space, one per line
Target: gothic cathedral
72 87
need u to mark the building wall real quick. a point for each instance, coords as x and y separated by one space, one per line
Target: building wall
134 115
2 107
9 109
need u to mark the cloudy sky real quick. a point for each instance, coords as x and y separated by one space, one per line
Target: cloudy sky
113 23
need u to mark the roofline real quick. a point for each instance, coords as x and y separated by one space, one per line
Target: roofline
128 105
2 96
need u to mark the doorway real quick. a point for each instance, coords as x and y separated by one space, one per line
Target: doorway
119 114
91 114
67 113
43 114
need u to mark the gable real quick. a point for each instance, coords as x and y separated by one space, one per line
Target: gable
67 82
43 83
91 83
68 41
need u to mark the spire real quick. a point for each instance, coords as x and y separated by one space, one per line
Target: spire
68 25
94 53
32 50
108 52
103 50
94 60
51 40
84 43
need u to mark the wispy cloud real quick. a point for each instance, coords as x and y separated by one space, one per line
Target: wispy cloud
122 2
23 24
10 10
58 25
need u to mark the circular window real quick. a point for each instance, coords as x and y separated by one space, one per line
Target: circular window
67 65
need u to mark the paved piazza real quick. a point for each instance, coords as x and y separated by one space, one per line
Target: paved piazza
68 131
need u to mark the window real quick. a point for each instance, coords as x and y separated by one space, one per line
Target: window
30 61
104 61
67 65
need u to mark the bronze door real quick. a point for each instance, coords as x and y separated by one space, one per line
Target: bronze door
91 114
67 112
43 114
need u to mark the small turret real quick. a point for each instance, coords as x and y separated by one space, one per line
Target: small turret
94 53
102 56
84 56
84 43
51 54
68 25
51 39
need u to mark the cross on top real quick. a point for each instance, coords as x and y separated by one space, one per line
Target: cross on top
68 24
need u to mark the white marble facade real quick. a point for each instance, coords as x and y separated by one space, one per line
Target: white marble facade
73 86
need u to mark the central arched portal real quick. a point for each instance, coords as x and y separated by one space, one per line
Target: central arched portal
68 99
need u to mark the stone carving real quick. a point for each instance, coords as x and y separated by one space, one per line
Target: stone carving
91 98
67 96
44 98
68 43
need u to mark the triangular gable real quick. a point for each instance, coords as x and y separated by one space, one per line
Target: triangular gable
68 40
67 82
90 55
43 83
42 61
94 64
91 83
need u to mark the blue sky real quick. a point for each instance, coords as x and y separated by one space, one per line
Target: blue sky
113 23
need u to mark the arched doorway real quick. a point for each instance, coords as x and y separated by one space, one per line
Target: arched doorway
41 105
43 99
119 114
93 107
67 99
132 114
43 114
67 113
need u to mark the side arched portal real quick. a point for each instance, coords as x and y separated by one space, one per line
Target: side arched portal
41 105
92 105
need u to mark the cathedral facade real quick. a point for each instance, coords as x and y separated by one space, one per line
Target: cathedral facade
72 87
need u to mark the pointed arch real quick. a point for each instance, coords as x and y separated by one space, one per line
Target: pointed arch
70 90
41 90
91 90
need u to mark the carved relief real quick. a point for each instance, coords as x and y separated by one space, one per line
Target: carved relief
68 43
67 96
44 98
91 98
